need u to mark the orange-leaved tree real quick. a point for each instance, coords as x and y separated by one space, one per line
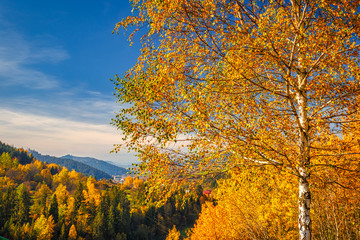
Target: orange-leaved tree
224 83
253 204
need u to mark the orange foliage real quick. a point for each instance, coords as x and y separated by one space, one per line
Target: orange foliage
128 182
256 204
44 227
259 204
92 195
231 83
72 233
173 234
137 183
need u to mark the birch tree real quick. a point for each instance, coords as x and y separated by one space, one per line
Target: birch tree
227 83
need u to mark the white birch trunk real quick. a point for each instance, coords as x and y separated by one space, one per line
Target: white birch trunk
304 206
304 160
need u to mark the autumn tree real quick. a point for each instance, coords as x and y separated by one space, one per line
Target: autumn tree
40 201
226 83
44 227
72 233
6 160
251 204
173 234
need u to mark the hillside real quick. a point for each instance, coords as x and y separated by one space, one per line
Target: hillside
98 164
21 155
71 164
46 201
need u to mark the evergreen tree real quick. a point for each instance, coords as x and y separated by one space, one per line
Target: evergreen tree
7 205
78 195
99 226
54 212
54 208
21 213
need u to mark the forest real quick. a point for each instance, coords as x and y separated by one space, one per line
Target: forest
46 201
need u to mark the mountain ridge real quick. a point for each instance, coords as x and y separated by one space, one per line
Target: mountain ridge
102 165
71 164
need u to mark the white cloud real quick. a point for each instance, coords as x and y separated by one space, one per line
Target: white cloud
50 55
56 136
16 54
72 104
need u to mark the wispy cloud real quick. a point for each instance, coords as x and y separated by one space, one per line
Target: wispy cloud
16 54
56 136
49 55
73 105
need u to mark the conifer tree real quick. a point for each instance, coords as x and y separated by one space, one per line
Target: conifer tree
22 207
54 208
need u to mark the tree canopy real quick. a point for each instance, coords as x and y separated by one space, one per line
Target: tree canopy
221 84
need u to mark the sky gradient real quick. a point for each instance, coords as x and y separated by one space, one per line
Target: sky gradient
56 59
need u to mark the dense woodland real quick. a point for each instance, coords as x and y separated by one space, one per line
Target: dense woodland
46 201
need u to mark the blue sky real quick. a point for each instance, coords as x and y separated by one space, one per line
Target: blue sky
56 59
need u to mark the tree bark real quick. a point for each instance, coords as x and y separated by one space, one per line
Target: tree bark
304 205
304 160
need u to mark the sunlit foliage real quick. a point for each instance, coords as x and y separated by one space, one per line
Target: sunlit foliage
222 84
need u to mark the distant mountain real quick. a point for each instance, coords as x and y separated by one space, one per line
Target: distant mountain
71 164
98 164
125 165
